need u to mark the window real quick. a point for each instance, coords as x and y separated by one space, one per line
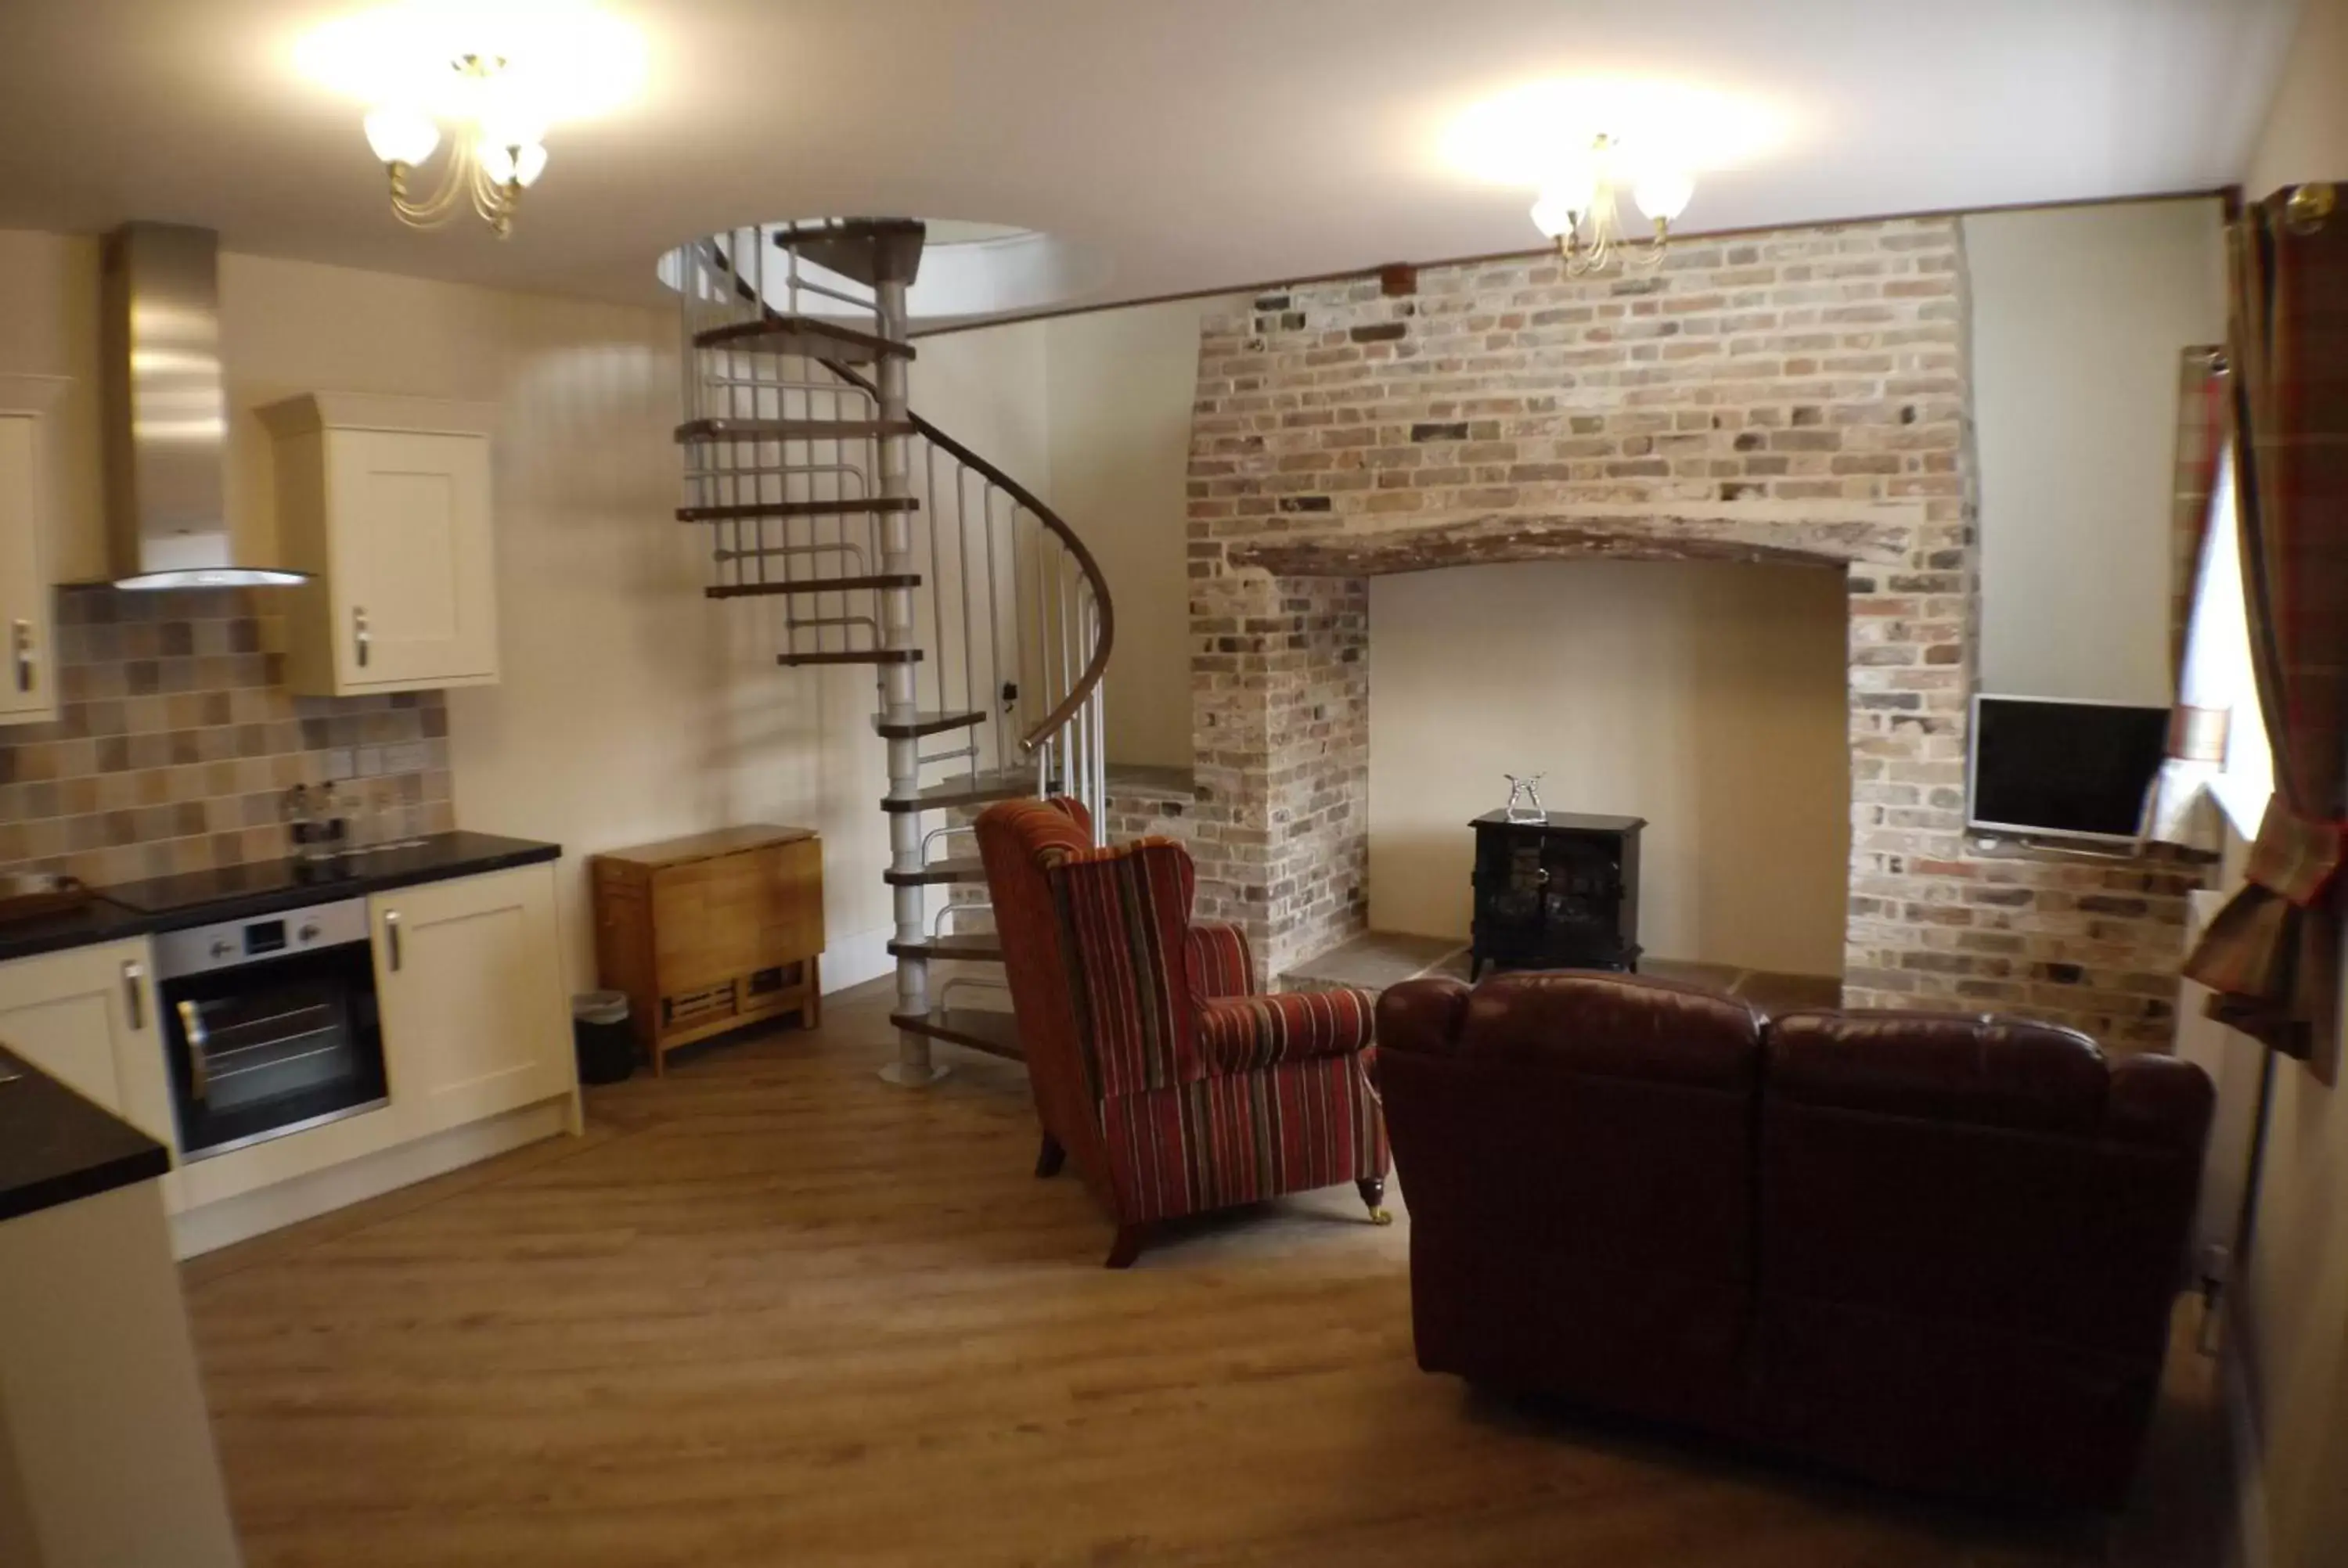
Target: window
2237 773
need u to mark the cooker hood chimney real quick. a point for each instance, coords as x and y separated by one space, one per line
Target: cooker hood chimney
166 415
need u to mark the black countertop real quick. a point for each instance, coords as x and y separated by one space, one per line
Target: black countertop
248 893
95 922
55 1146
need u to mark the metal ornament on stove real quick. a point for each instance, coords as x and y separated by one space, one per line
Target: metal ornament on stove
1524 798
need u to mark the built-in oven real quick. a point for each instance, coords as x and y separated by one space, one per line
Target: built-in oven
271 1025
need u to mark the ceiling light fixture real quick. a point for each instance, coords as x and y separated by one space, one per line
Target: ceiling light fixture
1587 144
486 76
494 156
1580 209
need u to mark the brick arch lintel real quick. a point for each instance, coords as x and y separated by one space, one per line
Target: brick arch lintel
1882 533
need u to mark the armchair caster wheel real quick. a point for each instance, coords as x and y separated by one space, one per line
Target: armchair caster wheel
1381 1217
1374 1198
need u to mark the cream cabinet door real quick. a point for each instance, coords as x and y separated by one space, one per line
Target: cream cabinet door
470 973
28 675
86 1018
410 563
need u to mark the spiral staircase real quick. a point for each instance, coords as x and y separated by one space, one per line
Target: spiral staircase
881 540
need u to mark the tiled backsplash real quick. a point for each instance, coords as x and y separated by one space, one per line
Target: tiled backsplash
176 744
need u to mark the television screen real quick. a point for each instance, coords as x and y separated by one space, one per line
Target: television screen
2076 769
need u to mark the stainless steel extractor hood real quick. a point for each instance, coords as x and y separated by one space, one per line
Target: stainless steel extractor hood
166 417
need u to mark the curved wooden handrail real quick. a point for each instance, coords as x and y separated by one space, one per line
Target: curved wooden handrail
1098 666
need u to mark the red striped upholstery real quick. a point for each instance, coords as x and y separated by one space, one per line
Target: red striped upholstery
1221 964
1127 913
1241 1137
1241 1034
1017 840
1171 1087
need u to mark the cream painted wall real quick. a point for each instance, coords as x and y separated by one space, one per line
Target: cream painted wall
1092 412
631 707
2293 1310
2306 133
2078 316
1121 386
1708 697
990 390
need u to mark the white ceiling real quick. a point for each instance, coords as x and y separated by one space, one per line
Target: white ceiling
1198 143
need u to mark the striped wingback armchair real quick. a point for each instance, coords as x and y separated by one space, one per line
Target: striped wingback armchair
1155 1065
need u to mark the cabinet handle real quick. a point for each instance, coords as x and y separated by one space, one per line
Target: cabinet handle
359 638
21 642
132 973
391 935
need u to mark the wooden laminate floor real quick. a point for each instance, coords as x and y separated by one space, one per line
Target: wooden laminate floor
771 1311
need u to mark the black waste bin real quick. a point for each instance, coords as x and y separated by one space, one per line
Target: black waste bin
607 1045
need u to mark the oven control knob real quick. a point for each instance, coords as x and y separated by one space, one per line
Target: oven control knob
223 949
309 932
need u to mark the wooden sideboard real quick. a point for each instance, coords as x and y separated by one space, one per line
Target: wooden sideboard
709 933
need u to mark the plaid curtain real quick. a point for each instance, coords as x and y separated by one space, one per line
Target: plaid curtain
2273 953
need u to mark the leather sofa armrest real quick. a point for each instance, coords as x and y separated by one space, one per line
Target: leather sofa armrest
1423 1014
2160 1100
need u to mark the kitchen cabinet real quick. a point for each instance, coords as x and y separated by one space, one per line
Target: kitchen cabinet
384 502
86 1017
475 1018
28 437
105 1450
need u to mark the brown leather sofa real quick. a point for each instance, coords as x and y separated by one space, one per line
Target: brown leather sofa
1935 1250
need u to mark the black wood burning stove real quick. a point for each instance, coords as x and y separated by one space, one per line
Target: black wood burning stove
1559 892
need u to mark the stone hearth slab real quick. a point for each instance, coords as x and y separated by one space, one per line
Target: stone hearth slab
1770 992
1376 960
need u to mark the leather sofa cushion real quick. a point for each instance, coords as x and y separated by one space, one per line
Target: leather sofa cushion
1600 1024
1577 1150
1980 1171
1983 1071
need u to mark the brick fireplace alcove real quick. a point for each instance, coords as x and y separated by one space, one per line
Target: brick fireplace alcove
1795 396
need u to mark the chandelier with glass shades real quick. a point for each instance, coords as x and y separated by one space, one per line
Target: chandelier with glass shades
1580 208
495 150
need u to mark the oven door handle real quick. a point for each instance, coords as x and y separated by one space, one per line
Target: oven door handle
191 1022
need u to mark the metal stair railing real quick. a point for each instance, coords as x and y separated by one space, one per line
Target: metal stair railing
989 619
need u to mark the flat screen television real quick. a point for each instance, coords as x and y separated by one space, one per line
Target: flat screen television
2062 767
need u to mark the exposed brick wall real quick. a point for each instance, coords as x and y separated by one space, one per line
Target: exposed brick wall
1804 396
1162 809
1281 708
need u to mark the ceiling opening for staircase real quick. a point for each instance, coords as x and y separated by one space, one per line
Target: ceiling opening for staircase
970 271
